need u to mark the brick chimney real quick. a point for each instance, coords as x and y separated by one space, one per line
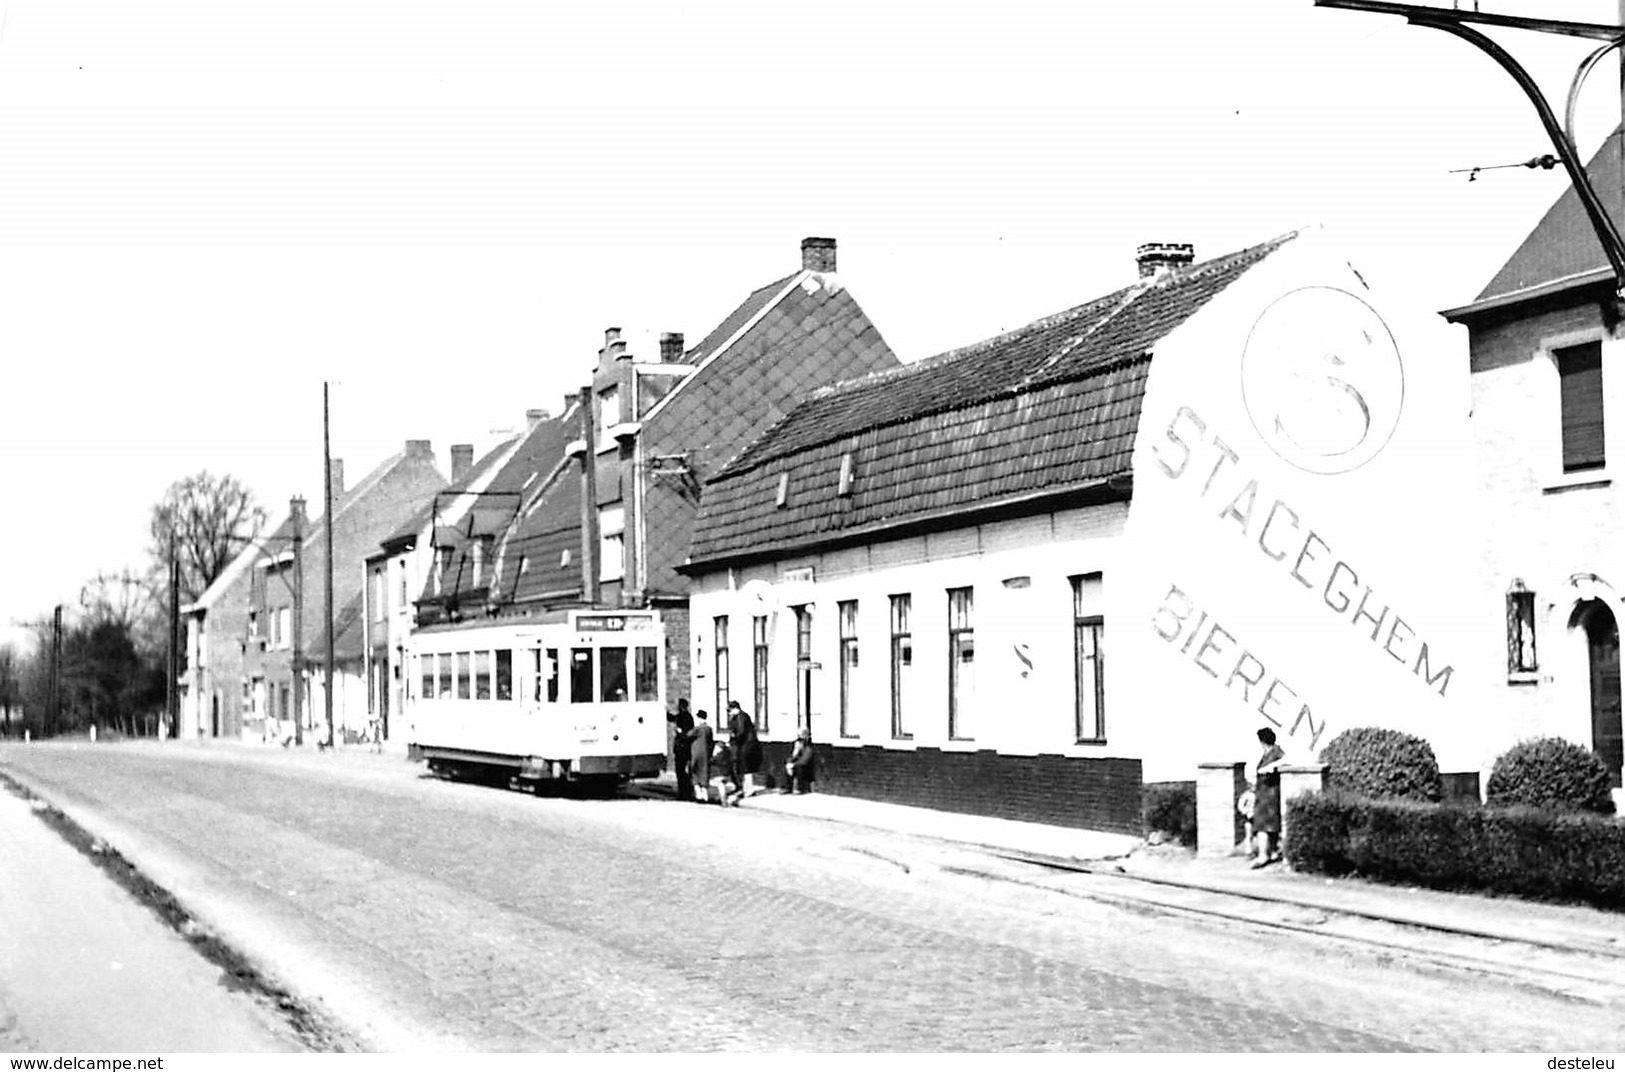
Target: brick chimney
296 513
671 347
1160 258
335 469
533 417
818 254
419 448
462 460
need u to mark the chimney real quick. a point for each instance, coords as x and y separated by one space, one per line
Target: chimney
614 347
671 347
533 417
1160 258
462 460
296 513
419 448
818 254
335 470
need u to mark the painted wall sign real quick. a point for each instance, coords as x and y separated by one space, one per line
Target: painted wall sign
1298 466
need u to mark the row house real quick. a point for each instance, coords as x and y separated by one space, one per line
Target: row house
243 630
1548 426
603 517
1024 577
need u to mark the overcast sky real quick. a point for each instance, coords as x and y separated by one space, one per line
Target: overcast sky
208 209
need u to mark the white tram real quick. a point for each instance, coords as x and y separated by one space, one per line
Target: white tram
582 698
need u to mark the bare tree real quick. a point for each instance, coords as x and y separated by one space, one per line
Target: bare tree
210 519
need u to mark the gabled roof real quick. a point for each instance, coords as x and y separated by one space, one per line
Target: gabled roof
1043 412
1562 252
414 526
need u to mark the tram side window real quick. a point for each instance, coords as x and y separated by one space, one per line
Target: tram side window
648 673
462 675
612 675
581 675
504 675
482 675
426 664
552 675
445 677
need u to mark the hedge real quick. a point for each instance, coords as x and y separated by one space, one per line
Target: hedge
1170 808
1378 762
1525 851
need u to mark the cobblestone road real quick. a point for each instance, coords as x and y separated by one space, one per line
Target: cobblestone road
500 920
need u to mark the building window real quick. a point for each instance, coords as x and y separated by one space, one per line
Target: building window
1579 375
405 595
442 567
849 660
611 544
902 663
758 636
803 666
1520 629
609 415
961 663
720 642
1089 657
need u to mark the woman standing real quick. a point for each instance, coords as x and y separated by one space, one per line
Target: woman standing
1267 801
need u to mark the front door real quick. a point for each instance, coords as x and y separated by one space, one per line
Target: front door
1602 636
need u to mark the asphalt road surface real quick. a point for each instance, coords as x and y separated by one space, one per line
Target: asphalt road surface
427 914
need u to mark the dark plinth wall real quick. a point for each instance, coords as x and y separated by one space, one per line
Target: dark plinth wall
1090 794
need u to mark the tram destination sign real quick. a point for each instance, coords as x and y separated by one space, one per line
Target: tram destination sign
613 623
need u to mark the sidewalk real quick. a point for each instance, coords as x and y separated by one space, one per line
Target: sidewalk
85 967
1572 949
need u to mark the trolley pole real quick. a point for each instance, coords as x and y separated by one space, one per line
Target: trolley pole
327 580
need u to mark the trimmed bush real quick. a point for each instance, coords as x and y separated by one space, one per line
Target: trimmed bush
1550 773
1525 851
1169 808
1382 764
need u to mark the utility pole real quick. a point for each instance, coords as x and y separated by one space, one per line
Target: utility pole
53 698
327 602
172 707
298 661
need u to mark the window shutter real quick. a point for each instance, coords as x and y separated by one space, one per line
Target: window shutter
1579 370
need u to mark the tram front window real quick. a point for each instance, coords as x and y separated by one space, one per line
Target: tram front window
581 675
612 674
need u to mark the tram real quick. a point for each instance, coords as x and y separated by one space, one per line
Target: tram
581 699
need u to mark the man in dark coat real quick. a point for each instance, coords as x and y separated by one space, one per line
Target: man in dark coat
800 766
682 730
747 749
699 751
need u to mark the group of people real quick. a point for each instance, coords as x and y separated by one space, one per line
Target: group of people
696 754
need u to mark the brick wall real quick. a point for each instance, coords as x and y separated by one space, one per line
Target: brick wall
1090 794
